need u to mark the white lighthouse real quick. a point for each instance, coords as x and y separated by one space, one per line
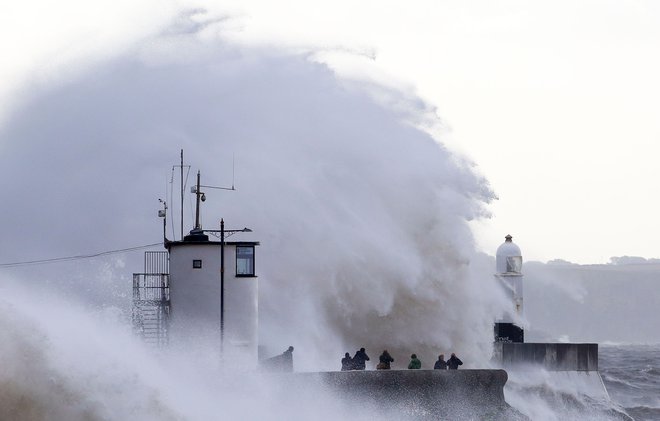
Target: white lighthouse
508 267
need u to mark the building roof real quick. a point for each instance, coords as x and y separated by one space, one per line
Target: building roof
211 243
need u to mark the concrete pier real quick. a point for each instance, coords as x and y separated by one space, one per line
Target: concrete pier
419 394
551 356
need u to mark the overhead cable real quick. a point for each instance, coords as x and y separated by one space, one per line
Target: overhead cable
78 257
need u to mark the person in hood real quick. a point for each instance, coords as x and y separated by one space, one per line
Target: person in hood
385 360
454 362
415 363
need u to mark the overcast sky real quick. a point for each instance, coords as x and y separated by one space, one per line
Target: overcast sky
556 103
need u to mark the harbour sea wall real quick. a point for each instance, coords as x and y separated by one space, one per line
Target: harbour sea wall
551 356
418 394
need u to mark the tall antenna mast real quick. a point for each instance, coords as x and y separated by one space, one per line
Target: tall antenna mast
198 195
182 194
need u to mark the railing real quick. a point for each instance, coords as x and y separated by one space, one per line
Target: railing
151 287
156 262
151 306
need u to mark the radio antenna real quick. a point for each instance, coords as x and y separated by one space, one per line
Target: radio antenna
181 194
233 170
184 181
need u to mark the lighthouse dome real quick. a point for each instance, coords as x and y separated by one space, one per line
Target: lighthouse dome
508 258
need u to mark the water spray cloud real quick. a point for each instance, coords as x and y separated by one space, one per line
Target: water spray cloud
361 216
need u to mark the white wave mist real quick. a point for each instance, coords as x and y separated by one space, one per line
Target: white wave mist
65 362
555 396
361 216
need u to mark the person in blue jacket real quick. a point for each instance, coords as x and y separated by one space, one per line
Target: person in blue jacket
441 364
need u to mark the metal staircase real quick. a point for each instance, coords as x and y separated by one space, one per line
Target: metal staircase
151 299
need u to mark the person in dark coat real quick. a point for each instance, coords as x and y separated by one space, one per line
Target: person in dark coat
385 360
441 364
415 363
346 362
287 360
359 360
454 362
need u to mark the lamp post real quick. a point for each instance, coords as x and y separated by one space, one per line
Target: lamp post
222 286
223 232
200 196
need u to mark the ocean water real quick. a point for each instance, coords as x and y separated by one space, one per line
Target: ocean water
632 376
69 364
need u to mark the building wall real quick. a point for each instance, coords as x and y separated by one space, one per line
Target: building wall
551 356
195 303
242 310
195 295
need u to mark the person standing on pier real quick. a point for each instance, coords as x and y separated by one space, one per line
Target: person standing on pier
287 360
454 362
359 360
385 360
346 362
415 363
441 364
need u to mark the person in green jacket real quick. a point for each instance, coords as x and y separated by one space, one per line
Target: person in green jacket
415 363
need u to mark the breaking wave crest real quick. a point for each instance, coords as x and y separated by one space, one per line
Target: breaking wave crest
362 216
556 396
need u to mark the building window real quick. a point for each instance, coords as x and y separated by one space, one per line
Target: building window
244 260
197 264
514 264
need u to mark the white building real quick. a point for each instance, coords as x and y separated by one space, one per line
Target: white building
209 307
201 294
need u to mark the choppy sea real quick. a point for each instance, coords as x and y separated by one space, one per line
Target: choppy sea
632 376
